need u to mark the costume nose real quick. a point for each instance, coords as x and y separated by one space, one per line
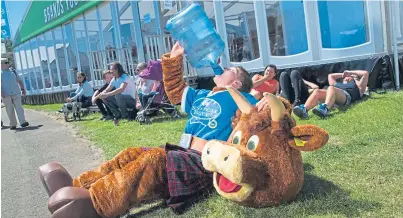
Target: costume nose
224 159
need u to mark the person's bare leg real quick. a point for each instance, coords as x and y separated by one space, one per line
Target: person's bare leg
314 98
335 95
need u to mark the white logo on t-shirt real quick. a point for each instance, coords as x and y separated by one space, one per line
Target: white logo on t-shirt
205 111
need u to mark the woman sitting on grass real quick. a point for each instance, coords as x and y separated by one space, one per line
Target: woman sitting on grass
265 83
83 93
343 93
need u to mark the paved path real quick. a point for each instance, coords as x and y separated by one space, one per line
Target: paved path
24 150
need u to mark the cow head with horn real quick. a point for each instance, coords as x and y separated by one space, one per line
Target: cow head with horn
261 164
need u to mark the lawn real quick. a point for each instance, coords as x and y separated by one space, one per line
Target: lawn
357 174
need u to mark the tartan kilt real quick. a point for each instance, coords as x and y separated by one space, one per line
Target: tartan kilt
188 181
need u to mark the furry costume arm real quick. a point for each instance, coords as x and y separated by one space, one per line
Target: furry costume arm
119 161
172 74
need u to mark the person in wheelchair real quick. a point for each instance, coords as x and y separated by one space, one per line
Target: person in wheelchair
83 93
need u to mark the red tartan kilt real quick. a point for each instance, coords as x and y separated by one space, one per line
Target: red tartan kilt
187 178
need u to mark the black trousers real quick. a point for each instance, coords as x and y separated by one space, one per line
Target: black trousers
105 111
293 87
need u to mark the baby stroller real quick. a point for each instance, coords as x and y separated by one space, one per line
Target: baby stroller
159 101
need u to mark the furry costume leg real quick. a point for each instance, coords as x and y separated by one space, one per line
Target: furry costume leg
118 162
141 180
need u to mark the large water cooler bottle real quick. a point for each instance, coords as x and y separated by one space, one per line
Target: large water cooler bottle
195 32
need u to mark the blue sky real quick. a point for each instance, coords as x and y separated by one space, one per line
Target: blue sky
16 10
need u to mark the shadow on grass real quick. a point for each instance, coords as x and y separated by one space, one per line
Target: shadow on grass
321 197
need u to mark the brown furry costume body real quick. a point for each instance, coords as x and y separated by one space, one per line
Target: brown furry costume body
266 175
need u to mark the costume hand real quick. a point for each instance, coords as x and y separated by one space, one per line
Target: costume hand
177 50
23 92
138 106
69 100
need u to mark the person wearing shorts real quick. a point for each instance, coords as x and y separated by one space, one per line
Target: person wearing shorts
343 93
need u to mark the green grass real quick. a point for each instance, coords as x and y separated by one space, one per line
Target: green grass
357 174
45 107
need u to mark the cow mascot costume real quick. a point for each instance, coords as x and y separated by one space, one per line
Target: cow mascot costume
260 164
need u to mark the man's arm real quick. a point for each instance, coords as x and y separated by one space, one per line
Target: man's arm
363 82
311 85
108 89
333 78
21 83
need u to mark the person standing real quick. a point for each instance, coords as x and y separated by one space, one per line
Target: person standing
11 89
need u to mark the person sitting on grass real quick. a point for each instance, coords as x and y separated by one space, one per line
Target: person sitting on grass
124 93
105 111
295 89
343 93
265 83
83 93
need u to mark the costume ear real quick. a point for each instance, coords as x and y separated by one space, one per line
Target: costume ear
308 137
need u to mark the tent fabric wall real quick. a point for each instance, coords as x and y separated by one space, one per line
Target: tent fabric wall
380 68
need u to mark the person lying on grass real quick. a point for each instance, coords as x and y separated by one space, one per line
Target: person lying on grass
294 88
210 114
343 93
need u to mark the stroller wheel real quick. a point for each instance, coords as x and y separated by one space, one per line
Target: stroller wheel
145 120
175 114
66 117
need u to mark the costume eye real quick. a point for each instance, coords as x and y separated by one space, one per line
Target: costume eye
237 138
253 142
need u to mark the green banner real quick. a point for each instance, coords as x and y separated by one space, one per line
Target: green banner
45 15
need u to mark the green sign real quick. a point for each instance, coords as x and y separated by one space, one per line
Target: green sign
45 15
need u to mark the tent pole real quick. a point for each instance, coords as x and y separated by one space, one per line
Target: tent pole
394 40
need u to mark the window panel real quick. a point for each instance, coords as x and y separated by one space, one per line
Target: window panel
240 24
93 30
70 41
107 26
60 55
286 26
82 47
44 60
129 46
37 62
342 23
52 58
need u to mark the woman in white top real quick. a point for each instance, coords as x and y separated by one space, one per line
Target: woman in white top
124 94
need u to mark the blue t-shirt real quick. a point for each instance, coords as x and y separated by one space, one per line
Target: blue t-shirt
210 114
